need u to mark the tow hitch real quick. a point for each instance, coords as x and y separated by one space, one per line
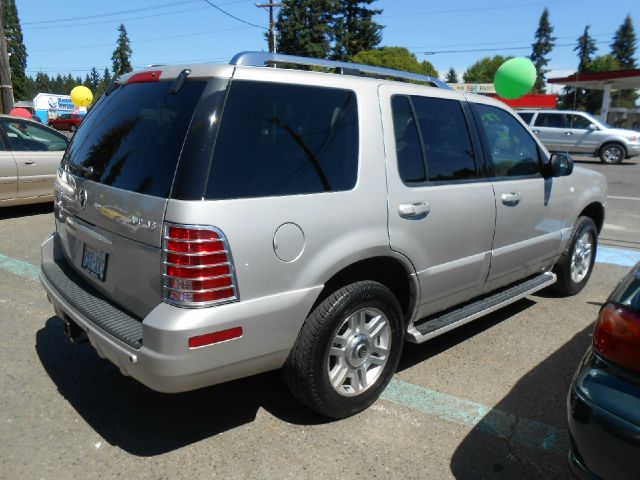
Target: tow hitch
72 331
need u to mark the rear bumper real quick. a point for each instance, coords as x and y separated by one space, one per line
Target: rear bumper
163 361
603 426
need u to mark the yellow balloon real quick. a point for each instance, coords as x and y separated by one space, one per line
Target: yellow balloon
81 96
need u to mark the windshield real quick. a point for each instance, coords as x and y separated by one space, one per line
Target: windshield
133 138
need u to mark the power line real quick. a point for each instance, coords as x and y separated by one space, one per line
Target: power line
502 42
144 40
110 14
233 16
498 49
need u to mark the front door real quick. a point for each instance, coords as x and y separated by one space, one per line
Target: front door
529 207
441 208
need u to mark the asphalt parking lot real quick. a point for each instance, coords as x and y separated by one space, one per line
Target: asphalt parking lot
484 401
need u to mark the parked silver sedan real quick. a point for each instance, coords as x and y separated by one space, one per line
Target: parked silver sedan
30 154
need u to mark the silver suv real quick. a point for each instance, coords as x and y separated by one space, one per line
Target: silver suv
580 132
218 221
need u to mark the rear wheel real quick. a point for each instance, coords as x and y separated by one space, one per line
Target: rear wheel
612 153
347 350
72 128
576 264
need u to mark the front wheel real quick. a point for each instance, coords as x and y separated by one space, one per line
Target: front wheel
612 153
576 264
347 350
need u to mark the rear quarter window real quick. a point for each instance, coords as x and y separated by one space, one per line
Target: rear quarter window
280 139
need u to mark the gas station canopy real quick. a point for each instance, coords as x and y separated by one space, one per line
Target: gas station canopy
607 81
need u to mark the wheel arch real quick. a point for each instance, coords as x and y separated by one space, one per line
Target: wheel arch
387 270
609 141
595 211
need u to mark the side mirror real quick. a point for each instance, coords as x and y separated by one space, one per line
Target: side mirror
592 127
560 165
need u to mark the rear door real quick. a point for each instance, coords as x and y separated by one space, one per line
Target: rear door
550 127
37 152
529 207
8 173
441 207
114 184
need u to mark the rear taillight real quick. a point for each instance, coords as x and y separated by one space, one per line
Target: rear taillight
617 336
197 269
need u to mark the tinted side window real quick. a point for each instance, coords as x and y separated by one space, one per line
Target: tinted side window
280 139
579 122
408 148
446 139
551 120
511 148
27 137
526 117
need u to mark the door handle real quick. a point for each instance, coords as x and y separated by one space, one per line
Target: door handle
568 133
29 163
536 131
413 210
511 199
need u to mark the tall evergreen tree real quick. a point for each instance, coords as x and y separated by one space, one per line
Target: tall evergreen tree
452 76
576 98
305 27
121 57
42 83
16 49
542 46
93 80
354 28
623 47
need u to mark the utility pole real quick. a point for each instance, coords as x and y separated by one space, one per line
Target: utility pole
272 25
5 72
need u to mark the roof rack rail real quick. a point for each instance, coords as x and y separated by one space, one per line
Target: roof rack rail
261 59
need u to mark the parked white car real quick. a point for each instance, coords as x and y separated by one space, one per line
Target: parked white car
30 154
581 132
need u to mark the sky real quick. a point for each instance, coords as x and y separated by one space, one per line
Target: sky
64 36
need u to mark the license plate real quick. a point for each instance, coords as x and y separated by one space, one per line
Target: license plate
94 261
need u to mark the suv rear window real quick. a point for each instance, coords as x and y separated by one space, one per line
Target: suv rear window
132 138
281 139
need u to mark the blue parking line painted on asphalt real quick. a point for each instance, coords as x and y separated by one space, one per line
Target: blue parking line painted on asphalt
20 268
518 430
617 256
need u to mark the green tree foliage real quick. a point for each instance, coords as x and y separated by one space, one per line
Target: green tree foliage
484 69
542 46
121 57
398 58
452 76
42 83
354 28
16 49
93 80
575 98
623 47
305 27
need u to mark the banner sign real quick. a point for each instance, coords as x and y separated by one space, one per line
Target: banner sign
474 87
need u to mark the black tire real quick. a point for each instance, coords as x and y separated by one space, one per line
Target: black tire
612 153
306 371
566 284
72 128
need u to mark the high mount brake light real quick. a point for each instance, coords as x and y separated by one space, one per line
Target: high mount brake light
197 268
145 77
617 336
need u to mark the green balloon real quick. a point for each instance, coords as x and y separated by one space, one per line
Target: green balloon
515 78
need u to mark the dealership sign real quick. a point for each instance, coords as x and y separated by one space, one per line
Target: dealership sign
474 87
49 101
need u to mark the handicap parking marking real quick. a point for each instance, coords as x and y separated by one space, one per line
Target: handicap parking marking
617 256
18 267
507 426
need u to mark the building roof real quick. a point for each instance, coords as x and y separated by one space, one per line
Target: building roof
621 79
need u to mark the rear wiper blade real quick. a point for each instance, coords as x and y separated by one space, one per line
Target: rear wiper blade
180 80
